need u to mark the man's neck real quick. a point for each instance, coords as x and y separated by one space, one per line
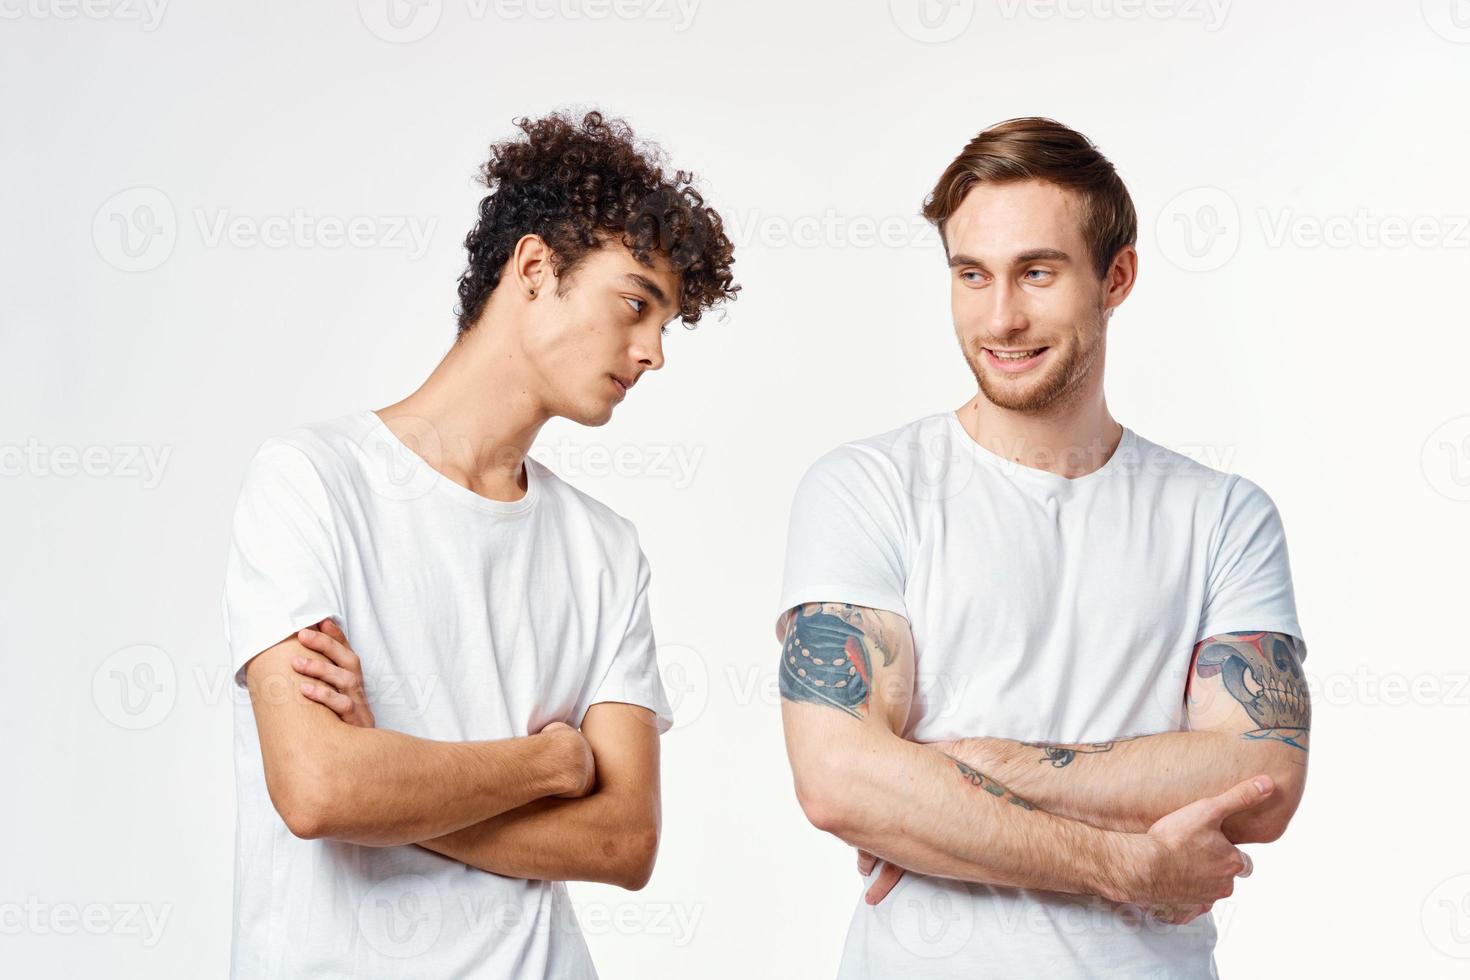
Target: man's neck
1070 440
475 417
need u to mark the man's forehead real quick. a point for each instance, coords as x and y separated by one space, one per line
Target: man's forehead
1024 214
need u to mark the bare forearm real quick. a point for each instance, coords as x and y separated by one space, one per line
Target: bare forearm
918 808
378 787
603 837
1128 784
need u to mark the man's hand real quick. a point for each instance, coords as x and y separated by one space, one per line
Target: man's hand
341 688
1185 863
581 751
340 674
887 878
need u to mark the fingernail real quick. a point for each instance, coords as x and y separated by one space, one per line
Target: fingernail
297 661
305 688
1262 785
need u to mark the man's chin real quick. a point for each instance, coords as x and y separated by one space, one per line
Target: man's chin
595 415
1017 394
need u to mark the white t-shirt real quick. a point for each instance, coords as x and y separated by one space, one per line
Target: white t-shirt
474 619
1043 609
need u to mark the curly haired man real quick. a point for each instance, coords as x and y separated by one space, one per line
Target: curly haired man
497 616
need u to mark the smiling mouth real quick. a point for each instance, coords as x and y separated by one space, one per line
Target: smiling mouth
1014 356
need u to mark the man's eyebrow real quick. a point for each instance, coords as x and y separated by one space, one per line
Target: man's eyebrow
1030 255
643 282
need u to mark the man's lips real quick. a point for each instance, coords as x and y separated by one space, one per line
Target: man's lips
621 385
1014 360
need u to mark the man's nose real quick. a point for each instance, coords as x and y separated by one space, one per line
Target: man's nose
1008 315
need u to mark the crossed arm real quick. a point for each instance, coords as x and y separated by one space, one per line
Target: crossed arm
557 805
846 677
1248 710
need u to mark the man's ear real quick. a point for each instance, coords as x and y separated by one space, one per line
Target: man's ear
530 267
1122 276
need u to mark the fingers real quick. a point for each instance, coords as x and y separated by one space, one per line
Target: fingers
329 626
1249 865
884 883
334 650
1178 915
325 671
1241 796
865 862
321 694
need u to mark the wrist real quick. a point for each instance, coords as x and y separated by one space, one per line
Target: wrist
1120 864
558 755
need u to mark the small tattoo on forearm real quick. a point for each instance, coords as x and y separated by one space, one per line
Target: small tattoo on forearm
1061 756
978 779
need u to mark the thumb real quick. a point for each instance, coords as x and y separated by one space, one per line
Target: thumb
1241 796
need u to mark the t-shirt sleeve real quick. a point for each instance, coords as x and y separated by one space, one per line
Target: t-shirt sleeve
845 541
632 675
282 573
1249 586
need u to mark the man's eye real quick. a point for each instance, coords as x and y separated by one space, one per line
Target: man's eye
970 276
1038 272
636 303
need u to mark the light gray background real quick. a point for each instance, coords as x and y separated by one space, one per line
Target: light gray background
171 291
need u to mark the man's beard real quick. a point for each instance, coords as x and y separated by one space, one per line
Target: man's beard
1058 382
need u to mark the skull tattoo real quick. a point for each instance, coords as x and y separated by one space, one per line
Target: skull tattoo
1263 672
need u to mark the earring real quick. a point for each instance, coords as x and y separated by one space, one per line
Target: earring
533 294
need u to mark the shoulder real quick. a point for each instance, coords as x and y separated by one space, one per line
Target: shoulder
320 451
1222 498
579 510
879 461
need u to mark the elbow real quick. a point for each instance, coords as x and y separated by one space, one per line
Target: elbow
1267 822
305 801
307 824
637 854
1260 828
821 800
306 818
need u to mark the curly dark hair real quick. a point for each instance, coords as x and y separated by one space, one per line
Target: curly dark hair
579 185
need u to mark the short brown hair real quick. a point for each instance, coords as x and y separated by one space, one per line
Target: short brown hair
1034 148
